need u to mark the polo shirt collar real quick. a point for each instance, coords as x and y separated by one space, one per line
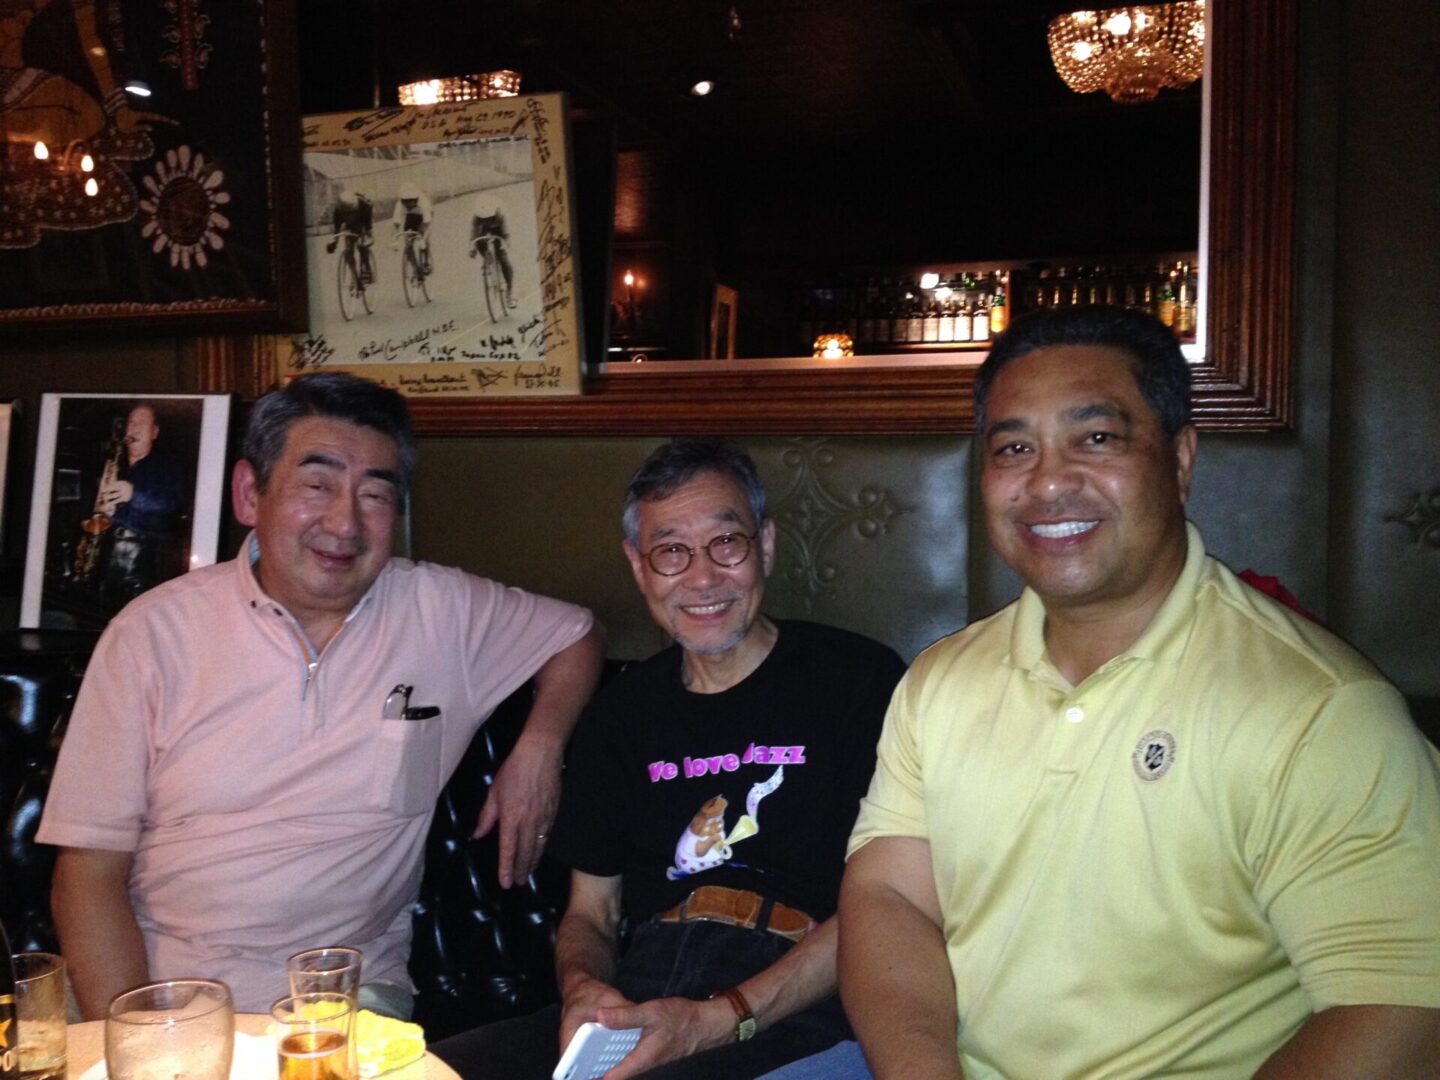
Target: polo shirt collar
1164 640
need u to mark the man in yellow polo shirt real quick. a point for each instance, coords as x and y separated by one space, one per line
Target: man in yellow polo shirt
1144 821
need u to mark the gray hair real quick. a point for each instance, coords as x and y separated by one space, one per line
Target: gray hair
337 396
673 464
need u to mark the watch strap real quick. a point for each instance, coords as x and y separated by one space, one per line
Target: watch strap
745 1025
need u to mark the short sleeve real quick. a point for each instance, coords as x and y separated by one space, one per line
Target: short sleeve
895 803
876 672
97 796
1345 844
592 828
512 633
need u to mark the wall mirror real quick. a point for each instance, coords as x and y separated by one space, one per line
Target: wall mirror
908 162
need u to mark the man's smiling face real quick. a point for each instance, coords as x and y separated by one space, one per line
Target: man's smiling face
708 609
1084 493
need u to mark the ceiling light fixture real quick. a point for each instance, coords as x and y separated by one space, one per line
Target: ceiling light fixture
702 87
479 87
1131 53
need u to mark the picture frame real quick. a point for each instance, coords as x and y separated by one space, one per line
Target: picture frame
724 308
128 492
152 155
439 246
7 418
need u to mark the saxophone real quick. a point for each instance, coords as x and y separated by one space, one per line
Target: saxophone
97 525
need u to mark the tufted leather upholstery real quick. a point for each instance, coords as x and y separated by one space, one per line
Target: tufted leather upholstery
481 953
39 675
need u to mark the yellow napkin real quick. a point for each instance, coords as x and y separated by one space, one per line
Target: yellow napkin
384 1044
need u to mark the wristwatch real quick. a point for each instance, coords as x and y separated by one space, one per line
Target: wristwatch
744 1019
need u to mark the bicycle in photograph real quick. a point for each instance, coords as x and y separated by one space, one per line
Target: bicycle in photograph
413 274
497 298
354 292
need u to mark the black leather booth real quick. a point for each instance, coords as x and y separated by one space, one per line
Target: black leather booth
481 953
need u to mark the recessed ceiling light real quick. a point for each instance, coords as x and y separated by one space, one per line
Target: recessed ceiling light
702 87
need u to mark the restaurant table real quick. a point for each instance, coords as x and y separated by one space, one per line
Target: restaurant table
85 1045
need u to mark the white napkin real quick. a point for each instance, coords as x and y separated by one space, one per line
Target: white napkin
254 1060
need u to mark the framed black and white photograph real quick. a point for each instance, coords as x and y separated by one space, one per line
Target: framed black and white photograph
128 493
439 248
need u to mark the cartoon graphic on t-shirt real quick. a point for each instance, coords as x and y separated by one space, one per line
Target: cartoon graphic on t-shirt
704 845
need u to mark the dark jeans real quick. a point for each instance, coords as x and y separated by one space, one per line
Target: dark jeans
691 960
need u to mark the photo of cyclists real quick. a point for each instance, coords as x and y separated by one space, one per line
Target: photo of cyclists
424 251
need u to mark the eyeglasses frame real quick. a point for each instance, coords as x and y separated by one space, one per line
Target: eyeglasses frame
750 538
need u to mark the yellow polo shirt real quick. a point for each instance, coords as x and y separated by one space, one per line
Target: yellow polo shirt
1166 869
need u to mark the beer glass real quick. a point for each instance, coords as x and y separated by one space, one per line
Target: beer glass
315 1036
182 1029
333 970
40 1014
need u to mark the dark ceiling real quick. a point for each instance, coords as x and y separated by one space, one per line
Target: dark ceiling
845 138
798 73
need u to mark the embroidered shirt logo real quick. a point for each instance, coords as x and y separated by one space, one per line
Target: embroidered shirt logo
1154 754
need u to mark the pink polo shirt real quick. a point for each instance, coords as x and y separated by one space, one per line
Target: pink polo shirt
271 808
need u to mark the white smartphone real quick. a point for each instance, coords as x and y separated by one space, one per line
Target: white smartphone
594 1050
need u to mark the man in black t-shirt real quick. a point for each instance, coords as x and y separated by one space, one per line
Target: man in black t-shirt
709 794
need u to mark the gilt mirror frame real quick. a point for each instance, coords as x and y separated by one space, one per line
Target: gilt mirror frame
1243 382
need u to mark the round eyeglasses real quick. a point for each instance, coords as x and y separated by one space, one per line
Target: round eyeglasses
727 549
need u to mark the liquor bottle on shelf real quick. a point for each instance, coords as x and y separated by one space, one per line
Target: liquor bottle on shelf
1185 304
930 331
947 320
1132 287
1040 297
889 320
965 313
1060 295
980 318
1165 309
914 319
1109 287
9 1035
998 315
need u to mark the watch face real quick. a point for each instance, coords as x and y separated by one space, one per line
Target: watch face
745 1029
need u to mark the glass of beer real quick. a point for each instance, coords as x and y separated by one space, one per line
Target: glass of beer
182 1029
334 969
314 1036
40 1014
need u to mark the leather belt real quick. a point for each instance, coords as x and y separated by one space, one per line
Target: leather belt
740 907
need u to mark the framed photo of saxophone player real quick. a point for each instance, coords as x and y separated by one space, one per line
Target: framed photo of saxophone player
128 493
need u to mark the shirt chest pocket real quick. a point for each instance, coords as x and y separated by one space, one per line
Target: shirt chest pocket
405 778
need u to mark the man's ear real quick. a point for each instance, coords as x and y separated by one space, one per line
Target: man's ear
244 492
767 545
637 564
1186 443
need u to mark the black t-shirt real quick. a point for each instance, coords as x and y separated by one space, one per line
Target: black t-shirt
755 787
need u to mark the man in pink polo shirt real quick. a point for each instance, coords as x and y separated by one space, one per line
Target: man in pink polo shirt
257 747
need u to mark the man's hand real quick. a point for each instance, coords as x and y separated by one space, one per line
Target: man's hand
113 494
584 1000
523 799
673 1028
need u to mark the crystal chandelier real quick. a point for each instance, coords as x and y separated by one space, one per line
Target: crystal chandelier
1131 52
487 84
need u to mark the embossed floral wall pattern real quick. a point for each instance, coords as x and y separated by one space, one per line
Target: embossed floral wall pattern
1422 518
814 516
